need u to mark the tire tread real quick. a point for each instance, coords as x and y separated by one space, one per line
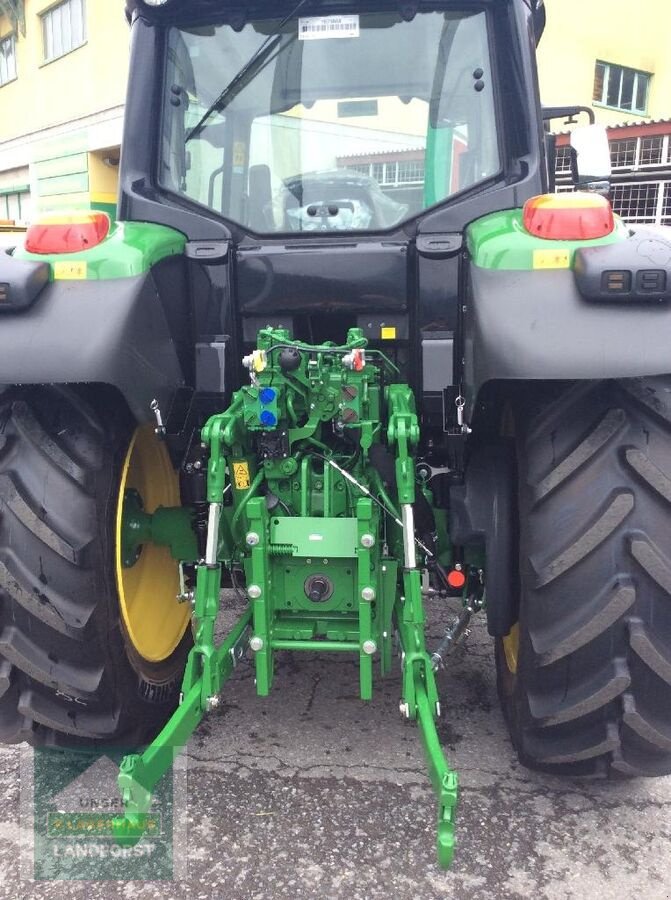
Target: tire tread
66 678
592 691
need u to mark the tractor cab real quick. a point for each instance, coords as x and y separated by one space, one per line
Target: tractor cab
257 99
331 123
336 153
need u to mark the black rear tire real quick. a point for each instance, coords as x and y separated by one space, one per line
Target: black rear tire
591 693
68 676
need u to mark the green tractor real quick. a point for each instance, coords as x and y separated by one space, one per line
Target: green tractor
341 351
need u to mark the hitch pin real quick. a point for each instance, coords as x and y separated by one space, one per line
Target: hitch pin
460 403
156 409
183 595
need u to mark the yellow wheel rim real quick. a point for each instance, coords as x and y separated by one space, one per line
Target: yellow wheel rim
153 618
511 647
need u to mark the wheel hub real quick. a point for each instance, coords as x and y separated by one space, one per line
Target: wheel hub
147 574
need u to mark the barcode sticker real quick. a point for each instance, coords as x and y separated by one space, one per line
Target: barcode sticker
316 28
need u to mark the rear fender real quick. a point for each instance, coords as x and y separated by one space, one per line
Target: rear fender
537 325
104 331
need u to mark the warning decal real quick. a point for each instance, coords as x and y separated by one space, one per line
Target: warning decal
70 271
552 259
241 475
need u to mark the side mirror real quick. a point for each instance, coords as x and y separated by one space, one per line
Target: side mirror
590 158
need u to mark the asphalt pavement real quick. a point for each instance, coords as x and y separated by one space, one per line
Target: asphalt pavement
312 793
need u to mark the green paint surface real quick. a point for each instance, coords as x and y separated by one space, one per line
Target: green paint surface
500 241
438 165
64 145
73 163
316 536
131 248
109 208
73 183
326 569
15 189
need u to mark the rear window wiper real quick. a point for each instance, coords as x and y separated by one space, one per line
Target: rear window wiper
246 74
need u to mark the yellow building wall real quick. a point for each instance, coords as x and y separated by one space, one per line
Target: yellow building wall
103 168
92 79
86 80
57 117
579 32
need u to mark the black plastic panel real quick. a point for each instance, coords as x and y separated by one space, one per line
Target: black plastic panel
384 328
536 325
438 290
111 332
326 278
632 271
21 282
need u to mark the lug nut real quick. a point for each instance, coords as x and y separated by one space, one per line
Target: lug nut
368 594
256 643
369 647
252 539
253 592
367 541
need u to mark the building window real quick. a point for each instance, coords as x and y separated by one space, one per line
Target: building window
652 151
360 169
390 169
377 172
666 204
7 59
15 206
63 29
623 153
391 174
563 160
640 153
638 202
411 172
620 87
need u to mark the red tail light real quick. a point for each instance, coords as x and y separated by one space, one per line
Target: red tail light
67 232
575 216
456 579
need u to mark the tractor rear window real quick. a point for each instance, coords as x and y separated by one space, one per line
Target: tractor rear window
334 123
